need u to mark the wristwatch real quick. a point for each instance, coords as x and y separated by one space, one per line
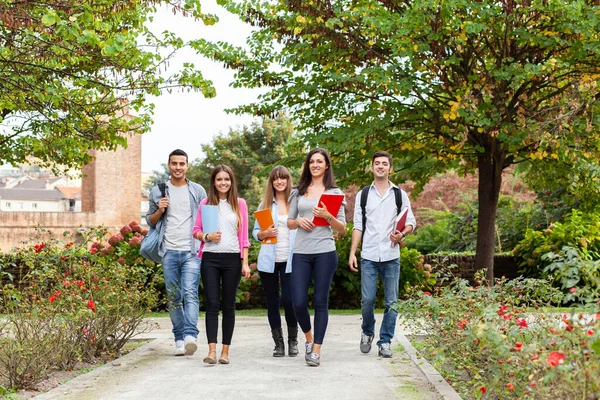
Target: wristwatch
206 239
403 235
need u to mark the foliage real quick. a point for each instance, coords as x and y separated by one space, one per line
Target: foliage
74 302
577 274
490 346
158 176
69 67
455 84
579 230
346 287
456 231
250 152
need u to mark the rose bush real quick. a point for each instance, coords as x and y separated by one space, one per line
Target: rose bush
488 343
72 302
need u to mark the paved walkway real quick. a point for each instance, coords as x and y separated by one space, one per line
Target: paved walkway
152 372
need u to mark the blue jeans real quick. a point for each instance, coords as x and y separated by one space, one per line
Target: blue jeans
304 267
390 274
182 274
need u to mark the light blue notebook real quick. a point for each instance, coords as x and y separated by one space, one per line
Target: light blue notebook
210 218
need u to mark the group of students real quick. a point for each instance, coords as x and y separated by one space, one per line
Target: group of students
304 253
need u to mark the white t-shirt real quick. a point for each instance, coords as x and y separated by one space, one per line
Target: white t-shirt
282 249
228 225
178 232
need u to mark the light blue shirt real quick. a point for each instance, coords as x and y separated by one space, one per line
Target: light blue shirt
381 215
266 255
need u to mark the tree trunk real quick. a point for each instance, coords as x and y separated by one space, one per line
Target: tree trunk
490 179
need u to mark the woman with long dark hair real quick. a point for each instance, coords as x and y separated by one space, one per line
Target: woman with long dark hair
314 254
275 260
224 256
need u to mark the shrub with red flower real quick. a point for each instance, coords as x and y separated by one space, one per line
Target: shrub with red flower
91 305
115 239
555 358
126 230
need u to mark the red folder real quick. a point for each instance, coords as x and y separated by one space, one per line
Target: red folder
400 222
332 202
265 221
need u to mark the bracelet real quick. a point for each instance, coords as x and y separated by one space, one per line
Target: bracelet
329 218
205 238
403 235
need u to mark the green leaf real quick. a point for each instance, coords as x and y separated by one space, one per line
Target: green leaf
49 19
596 346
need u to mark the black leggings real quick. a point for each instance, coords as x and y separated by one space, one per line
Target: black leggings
270 283
220 270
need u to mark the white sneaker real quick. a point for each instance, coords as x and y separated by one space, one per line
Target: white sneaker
190 345
179 348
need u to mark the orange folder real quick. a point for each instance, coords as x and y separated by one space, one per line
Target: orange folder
332 202
265 221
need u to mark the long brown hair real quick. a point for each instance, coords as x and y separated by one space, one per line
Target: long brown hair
306 177
232 195
276 173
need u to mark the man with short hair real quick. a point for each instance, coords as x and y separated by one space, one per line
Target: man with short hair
375 223
174 216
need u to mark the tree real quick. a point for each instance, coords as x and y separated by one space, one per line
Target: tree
250 152
472 85
66 68
158 176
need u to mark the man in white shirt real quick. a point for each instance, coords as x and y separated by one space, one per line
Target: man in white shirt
380 253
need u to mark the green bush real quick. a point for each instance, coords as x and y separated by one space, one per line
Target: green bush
576 274
73 302
488 344
579 230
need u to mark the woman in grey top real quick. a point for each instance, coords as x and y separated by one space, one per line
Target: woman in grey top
314 254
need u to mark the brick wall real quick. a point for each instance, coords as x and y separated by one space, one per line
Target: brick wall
110 196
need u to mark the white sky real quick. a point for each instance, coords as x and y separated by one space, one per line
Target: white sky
187 120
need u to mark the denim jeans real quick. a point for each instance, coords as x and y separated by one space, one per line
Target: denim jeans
304 267
270 284
182 275
390 274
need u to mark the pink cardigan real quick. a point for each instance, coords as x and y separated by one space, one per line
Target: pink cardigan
242 233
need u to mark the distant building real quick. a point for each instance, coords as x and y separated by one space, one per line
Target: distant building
33 200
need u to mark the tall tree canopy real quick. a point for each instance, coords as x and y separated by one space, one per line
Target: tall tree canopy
64 65
250 151
472 85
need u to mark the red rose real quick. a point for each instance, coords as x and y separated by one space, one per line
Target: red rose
556 358
91 305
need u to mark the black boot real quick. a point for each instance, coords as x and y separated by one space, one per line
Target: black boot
292 341
279 350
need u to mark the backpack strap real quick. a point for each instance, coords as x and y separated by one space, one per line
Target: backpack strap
398 195
163 189
163 192
363 205
363 202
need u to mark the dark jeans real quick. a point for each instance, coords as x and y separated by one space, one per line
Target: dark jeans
270 283
221 274
321 268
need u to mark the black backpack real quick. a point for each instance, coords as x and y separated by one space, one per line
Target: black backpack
363 202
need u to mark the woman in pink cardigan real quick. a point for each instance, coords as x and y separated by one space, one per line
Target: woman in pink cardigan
224 256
